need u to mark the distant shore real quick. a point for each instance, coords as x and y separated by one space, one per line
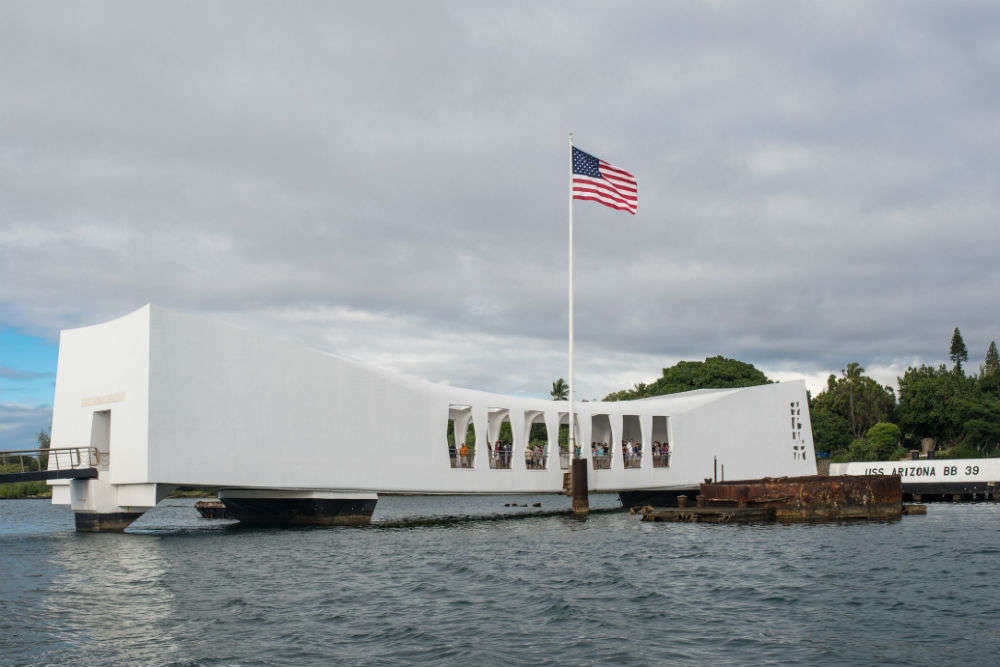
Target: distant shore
20 490
41 490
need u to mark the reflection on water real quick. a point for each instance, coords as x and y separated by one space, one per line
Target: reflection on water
552 591
110 593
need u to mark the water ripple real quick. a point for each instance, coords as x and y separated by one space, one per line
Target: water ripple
182 591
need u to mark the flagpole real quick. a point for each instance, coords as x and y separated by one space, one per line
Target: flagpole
570 418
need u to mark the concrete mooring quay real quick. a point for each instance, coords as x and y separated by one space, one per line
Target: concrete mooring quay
811 498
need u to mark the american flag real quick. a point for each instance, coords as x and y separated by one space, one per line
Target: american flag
599 181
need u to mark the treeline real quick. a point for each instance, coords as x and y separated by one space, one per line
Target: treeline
942 409
854 418
12 490
713 373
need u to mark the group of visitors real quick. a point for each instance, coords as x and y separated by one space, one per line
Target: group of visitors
534 456
632 451
600 449
500 452
661 454
461 456
600 452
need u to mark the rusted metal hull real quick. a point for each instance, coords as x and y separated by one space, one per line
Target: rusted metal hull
708 514
655 498
213 509
812 498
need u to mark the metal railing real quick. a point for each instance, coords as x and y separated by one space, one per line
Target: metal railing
500 458
634 461
462 461
602 462
55 458
535 459
661 460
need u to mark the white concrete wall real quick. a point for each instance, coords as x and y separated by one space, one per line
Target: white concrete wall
228 407
105 367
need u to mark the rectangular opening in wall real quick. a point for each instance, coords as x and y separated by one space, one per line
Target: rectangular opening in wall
601 442
631 441
537 451
100 436
461 436
661 444
500 438
564 439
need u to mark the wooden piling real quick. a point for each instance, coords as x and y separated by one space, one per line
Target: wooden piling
581 498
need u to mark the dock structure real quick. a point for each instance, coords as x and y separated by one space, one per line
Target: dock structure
293 435
929 480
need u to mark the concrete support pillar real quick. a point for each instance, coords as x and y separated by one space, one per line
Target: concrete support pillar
101 507
617 432
552 430
462 428
646 424
520 432
480 422
280 507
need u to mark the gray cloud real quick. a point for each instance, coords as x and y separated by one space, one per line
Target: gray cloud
20 424
817 183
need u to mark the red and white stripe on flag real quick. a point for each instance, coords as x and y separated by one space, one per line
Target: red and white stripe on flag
600 181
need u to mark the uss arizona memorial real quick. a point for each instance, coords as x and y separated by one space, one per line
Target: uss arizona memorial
295 435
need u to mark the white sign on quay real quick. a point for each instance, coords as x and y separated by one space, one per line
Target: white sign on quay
931 470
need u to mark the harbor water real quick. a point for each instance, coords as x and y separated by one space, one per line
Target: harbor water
182 590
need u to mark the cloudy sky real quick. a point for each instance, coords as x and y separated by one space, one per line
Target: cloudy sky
817 182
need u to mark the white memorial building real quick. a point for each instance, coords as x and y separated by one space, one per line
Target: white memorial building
295 435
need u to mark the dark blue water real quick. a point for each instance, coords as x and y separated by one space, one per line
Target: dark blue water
535 591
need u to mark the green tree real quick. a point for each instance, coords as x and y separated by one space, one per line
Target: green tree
980 416
958 353
831 432
881 443
44 442
713 373
470 435
992 364
859 399
538 432
852 373
982 436
560 390
929 404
